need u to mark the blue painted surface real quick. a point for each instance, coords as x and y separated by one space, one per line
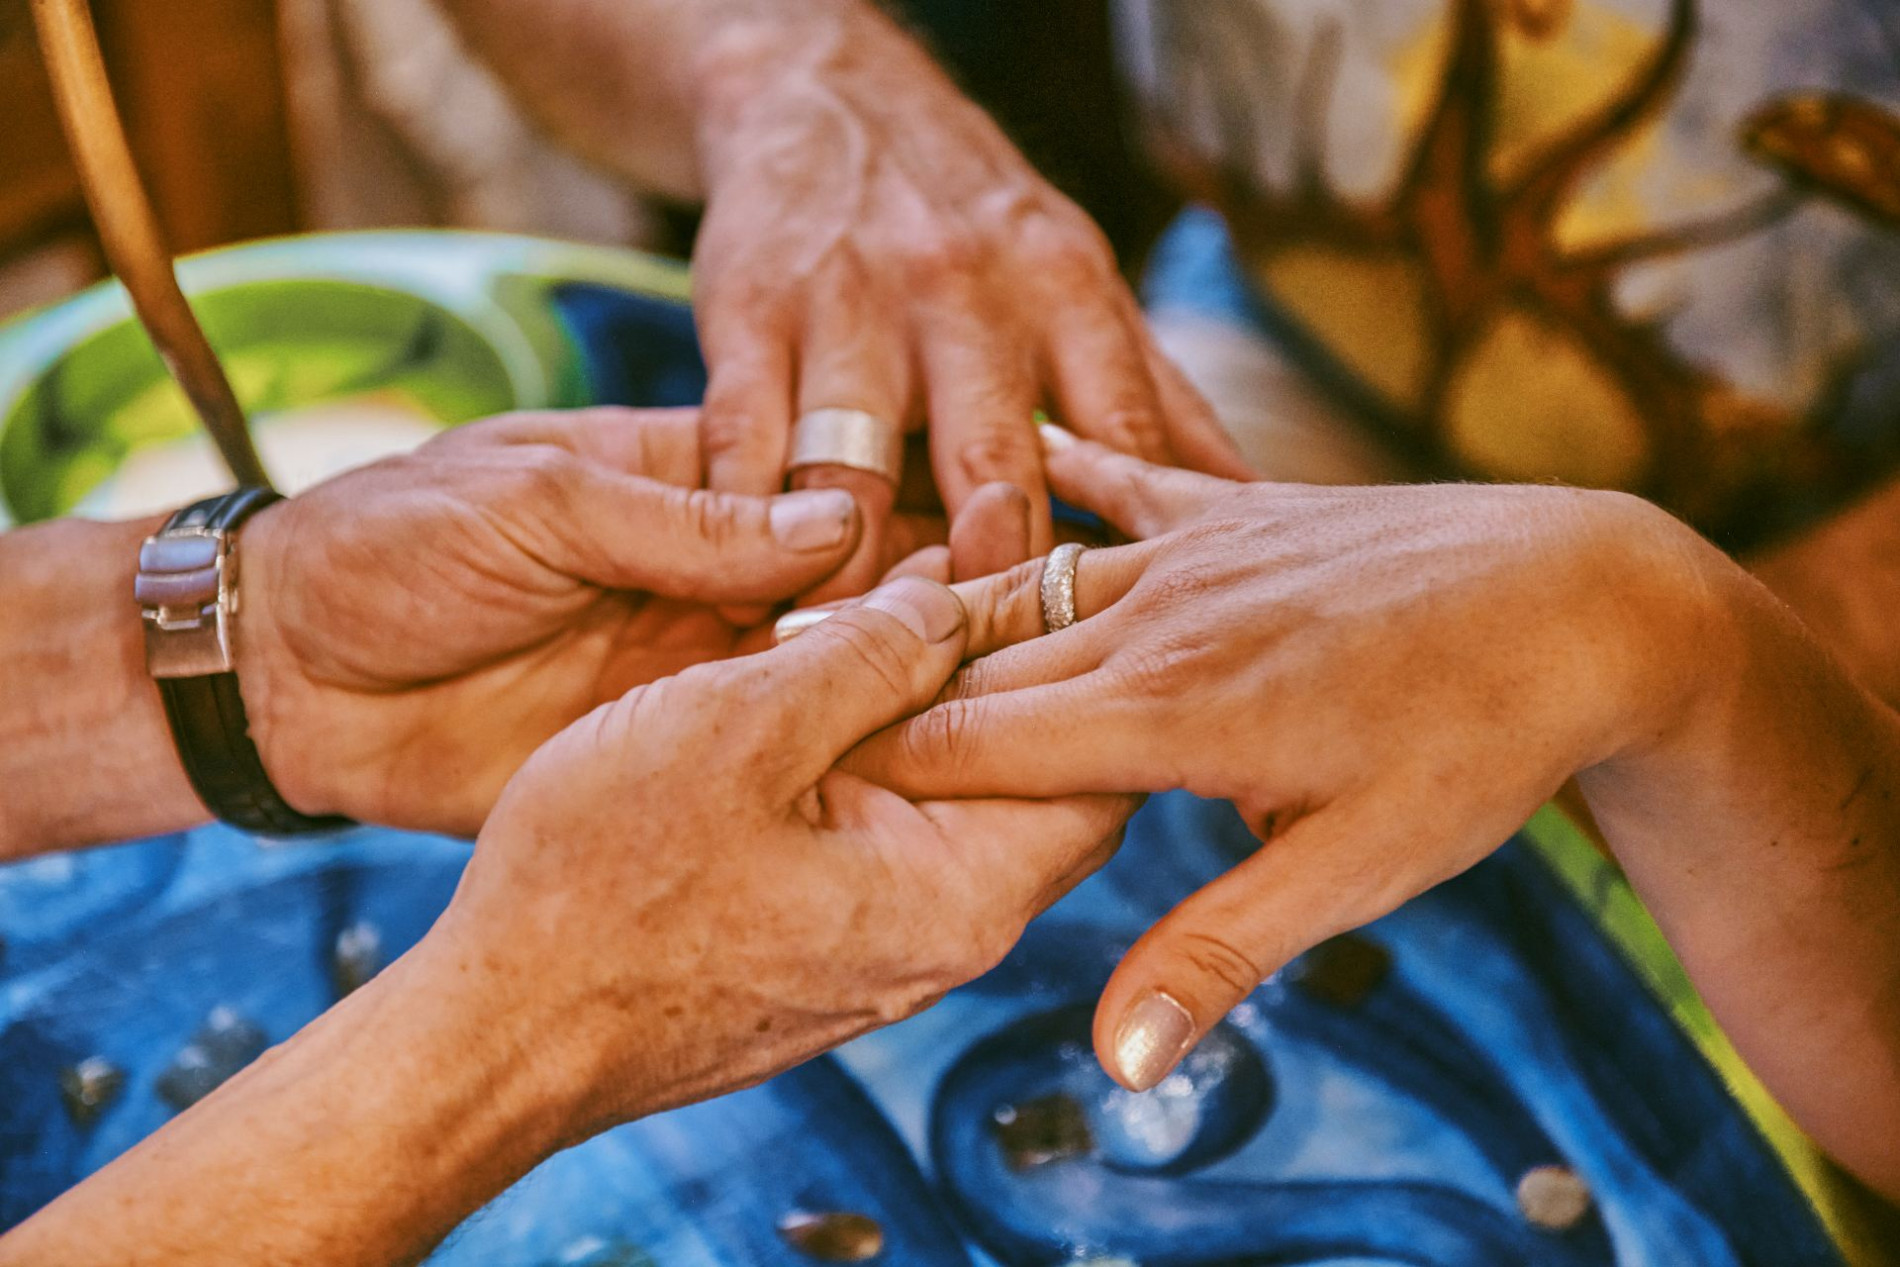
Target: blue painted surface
1387 1127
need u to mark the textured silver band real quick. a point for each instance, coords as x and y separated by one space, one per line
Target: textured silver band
1058 586
848 437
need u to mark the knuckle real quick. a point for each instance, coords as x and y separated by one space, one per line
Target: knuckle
1214 958
708 515
942 737
872 654
992 452
945 257
727 423
1078 256
544 473
1134 426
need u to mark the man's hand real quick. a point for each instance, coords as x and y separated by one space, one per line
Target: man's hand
769 906
677 896
411 631
872 241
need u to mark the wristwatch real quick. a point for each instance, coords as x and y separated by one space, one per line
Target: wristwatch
187 590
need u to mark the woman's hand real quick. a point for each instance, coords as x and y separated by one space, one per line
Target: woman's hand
873 241
411 631
682 895
1386 682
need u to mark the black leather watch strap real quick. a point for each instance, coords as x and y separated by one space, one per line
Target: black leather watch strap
191 558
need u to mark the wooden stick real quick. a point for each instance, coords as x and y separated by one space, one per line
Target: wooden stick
129 231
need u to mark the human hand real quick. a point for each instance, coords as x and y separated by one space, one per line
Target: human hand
872 241
771 906
411 631
1386 682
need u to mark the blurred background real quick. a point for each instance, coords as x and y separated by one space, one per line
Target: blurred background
252 118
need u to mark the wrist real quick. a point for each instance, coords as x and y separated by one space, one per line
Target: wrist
1695 621
754 72
285 724
86 754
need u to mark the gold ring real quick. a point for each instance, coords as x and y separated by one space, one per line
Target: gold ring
1058 586
848 437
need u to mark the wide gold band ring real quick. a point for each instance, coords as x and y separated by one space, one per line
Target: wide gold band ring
848 437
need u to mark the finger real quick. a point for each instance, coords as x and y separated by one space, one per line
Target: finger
1215 948
661 444
746 421
1195 433
1030 853
1006 608
932 563
851 357
992 533
1102 388
910 533
882 658
1062 738
982 395
629 533
874 496
1140 498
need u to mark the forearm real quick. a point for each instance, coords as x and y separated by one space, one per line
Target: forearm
1763 832
367 1138
648 88
1843 580
86 755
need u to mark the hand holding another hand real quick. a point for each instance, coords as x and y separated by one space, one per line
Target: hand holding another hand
412 630
680 895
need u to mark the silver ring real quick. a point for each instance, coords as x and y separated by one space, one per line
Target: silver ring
848 437
1058 586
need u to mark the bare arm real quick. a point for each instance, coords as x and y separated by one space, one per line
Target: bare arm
1843 579
85 752
646 87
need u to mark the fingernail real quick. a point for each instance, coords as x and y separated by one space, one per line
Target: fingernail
792 624
813 519
927 609
1154 1036
1055 439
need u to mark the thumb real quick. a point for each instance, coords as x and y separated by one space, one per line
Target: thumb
631 533
1214 949
1140 498
864 667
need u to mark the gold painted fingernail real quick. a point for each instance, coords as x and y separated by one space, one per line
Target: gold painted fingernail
1154 1036
1055 439
792 624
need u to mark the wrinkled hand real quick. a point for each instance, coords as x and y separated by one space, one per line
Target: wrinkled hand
873 241
411 631
1387 682
678 895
